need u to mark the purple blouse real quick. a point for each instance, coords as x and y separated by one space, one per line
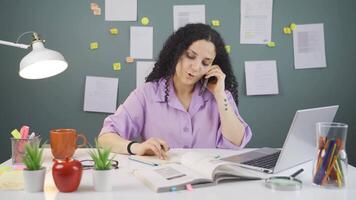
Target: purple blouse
145 114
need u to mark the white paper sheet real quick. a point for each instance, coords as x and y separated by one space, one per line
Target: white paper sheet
121 10
143 69
309 46
141 42
100 94
261 77
185 14
256 21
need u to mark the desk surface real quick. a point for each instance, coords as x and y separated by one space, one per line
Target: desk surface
127 186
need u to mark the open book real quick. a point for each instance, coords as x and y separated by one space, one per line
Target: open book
195 169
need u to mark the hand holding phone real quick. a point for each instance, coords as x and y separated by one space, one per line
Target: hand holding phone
205 84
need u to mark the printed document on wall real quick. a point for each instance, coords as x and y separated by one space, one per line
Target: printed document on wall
309 46
141 42
256 21
261 77
100 94
143 69
120 10
185 14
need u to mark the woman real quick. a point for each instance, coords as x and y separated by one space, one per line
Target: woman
172 109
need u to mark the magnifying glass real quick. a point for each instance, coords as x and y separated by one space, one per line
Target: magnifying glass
285 183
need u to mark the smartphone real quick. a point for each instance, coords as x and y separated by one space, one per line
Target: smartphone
205 84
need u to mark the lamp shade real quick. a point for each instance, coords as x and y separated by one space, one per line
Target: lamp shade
41 63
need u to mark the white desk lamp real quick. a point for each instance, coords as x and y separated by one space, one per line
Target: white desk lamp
40 62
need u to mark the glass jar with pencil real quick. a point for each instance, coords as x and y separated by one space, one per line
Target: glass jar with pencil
330 163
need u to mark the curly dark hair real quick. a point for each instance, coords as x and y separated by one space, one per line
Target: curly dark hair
179 42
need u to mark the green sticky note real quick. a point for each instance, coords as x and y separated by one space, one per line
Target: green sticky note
215 23
4 169
145 21
16 134
287 30
228 48
116 66
293 26
271 44
94 45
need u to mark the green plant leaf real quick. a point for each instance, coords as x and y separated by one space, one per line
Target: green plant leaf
33 157
100 156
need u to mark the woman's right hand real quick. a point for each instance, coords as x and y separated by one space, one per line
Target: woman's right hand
152 146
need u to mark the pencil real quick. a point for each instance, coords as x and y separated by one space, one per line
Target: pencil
332 161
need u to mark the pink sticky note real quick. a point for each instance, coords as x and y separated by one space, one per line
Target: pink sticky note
24 132
189 187
18 167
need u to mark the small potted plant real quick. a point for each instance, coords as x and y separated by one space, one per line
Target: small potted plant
102 172
34 173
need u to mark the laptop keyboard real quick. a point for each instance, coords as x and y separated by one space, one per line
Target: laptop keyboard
268 161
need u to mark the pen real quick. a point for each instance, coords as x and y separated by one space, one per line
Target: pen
143 162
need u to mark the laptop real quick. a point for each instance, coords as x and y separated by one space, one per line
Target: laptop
299 146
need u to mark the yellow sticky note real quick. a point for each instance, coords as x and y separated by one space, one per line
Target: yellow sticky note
94 45
116 66
16 134
3 169
97 11
293 26
228 48
114 31
145 21
287 30
129 59
271 44
215 22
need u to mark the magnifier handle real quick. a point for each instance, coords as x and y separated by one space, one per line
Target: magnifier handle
297 173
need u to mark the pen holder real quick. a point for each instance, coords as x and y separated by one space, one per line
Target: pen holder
330 163
18 148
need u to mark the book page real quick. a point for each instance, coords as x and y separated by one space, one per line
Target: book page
162 178
173 157
204 164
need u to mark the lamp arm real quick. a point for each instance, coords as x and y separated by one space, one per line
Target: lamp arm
13 44
16 44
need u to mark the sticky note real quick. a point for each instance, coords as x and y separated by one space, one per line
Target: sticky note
24 132
287 30
271 44
18 167
293 26
228 48
114 31
93 6
94 45
145 21
116 66
3 169
189 187
97 11
129 59
16 134
215 22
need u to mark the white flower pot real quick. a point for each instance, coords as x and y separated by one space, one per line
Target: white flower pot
34 179
102 180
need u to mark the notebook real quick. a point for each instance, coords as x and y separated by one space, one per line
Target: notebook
299 146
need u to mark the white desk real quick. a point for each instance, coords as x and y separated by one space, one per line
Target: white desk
127 186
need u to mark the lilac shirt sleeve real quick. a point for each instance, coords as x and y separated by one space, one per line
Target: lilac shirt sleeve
128 119
224 143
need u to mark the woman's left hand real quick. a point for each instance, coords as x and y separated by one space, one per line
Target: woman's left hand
216 86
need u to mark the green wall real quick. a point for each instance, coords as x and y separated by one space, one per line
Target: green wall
69 27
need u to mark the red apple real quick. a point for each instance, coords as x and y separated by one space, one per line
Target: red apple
67 174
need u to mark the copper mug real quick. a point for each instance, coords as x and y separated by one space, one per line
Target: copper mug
64 142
